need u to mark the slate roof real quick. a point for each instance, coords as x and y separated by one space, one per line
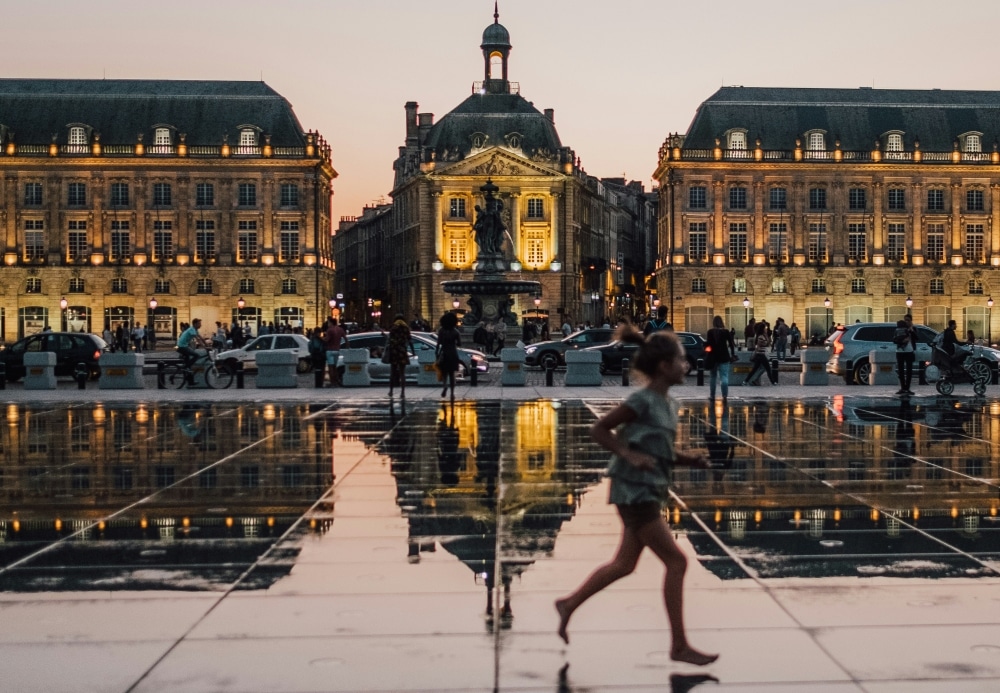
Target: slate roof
119 109
857 116
495 115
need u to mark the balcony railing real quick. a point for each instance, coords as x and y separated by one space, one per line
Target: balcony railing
119 150
834 156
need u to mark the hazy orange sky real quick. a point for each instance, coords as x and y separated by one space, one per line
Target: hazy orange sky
620 75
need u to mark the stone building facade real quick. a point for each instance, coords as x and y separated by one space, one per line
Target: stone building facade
586 241
159 201
827 206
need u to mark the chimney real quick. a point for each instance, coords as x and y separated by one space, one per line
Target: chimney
550 113
426 120
411 121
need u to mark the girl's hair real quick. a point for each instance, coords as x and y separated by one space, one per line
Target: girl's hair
759 329
449 320
717 322
659 346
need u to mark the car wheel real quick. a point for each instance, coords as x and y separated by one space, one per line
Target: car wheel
862 371
304 366
548 360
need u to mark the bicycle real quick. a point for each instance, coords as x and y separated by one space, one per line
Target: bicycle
214 376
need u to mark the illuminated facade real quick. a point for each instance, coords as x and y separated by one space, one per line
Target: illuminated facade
195 194
826 206
586 240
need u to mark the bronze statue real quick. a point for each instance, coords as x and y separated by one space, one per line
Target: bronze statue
489 225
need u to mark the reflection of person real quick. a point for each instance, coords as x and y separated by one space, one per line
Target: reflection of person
400 348
448 342
643 456
449 461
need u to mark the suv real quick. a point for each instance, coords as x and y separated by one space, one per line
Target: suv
550 354
70 349
849 349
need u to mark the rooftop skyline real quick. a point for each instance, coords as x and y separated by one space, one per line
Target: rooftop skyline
620 78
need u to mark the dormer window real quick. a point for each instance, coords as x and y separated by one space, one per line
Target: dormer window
894 142
248 137
77 140
973 143
816 142
162 141
737 140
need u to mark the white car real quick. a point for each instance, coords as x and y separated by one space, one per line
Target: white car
247 355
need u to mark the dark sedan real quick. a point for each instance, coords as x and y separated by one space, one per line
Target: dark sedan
613 353
70 349
550 354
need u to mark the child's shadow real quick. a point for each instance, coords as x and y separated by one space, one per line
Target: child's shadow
679 683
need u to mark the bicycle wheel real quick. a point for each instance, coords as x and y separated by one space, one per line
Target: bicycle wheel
218 378
175 376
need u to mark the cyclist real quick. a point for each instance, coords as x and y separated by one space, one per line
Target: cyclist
184 346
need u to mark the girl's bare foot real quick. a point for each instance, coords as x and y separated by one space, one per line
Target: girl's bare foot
564 614
691 656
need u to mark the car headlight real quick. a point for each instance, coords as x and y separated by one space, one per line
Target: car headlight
531 350
476 358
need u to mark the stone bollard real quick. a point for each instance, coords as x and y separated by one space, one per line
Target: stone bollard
355 362
40 370
512 359
814 366
427 375
121 371
883 366
277 369
583 368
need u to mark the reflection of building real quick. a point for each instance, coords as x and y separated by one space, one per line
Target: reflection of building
788 197
116 192
588 241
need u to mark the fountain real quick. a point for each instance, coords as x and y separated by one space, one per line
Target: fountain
489 292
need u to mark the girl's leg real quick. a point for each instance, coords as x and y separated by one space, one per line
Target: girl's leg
724 379
621 565
711 382
656 535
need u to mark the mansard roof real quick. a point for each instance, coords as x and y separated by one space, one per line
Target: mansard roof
120 109
858 117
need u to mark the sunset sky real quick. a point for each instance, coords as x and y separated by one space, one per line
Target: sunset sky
620 75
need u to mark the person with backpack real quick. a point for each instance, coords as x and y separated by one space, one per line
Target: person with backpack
658 323
317 351
794 339
759 359
905 339
721 348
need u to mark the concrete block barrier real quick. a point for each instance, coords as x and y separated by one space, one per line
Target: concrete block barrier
814 366
583 368
427 374
741 367
355 363
40 370
121 371
512 359
883 363
277 369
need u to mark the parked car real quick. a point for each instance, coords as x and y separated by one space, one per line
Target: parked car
70 349
375 343
613 352
466 356
550 354
850 346
247 354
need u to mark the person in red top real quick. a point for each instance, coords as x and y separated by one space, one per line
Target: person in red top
332 339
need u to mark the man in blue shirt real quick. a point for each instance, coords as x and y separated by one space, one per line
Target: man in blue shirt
188 340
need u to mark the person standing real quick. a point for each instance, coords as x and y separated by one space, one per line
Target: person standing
567 327
658 323
500 335
794 339
905 340
332 339
750 333
641 434
138 334
400 347
448 341
780 339
722 348
109 337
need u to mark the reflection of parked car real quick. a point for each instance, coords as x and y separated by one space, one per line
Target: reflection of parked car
70 349
271 342
850 346
613 353
550 354
375 343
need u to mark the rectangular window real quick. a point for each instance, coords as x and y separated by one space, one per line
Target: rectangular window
76 285
289 195
121 242
698 242
858 286
935 242
534 248
817 198
289 286
204 195
456 207
247 195
33 194
161 286
897 199
163 241
246 247
897 286
248 286
697 197
937 287
34 241
935 200
119 195
857 242
204 286
536 208
738 243
974 238
77 248
818 286
857 199
33 286
974 200
119 285
699 286
76 195
737 197
204 241
289 250
896 243
779 198
976 287
817 243
777 247
162 195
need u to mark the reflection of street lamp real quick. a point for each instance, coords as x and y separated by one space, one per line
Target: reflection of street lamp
826 304
989 321
63 304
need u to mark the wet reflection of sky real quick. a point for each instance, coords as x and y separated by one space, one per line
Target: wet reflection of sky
218 497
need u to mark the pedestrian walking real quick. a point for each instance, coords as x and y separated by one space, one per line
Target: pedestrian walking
721 349
400 347
641 433
449 339
759 359
332 339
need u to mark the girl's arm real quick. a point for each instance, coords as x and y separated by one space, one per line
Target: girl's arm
603 433
692 458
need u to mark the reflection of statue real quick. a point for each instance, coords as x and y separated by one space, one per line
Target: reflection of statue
489 225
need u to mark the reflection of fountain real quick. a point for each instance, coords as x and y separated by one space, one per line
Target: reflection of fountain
489 293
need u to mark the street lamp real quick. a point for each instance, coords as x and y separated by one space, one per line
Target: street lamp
63 304
515 265
909 303
455 304
746 321
989 321
437 265
240 305
826 304
538 301
153 303
555 265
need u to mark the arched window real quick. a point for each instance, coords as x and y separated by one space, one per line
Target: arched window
496 66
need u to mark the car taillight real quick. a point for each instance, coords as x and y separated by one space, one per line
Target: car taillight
838 346
97 355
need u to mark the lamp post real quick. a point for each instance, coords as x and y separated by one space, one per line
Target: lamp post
746 321
332 303
909 303
989 321
240 305
826 304
63 304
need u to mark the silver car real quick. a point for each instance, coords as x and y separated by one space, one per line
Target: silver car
376 342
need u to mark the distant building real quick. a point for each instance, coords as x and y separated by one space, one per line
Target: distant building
158 201
826 206
586 241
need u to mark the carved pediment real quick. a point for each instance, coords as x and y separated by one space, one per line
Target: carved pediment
494 162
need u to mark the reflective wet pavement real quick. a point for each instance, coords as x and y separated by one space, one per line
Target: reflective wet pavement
841 544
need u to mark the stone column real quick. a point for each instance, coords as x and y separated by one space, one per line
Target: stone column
515 225
916 233
877 221
994 244
956 219
438 226
556 198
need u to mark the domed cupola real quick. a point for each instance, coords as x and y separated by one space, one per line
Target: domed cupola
496 51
